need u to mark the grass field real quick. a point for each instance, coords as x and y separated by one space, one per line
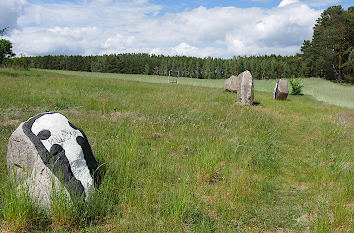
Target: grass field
320 89
182 158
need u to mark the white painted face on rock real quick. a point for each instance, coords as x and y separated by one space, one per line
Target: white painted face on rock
54 129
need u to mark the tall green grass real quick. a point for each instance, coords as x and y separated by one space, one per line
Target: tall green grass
187 158
18 210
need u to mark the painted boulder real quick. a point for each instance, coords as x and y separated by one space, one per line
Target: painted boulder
48 151
281 90
245 89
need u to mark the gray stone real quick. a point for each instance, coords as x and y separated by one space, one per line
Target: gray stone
25 165
281 90
245 89
227 84
48 151
231 84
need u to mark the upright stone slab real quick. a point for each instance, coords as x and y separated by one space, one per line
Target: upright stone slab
281 90
48 151
245 90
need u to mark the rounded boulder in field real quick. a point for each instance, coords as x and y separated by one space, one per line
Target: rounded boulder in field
281 90
231 84
48 151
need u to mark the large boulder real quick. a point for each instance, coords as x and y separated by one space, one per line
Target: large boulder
231 84
227 84
281 90
245 89
48 151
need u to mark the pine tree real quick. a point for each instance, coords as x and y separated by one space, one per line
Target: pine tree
327 55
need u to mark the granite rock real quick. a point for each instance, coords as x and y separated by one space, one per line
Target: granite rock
245 89
281 90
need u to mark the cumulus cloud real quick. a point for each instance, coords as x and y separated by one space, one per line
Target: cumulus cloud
57 40
119 26
279 30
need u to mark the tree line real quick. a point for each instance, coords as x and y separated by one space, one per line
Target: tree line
261 67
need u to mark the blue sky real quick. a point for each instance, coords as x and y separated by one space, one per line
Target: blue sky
199 28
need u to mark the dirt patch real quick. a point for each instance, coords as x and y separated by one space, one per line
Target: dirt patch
345 118
4 228
275 115
74 110
282 230
214 178
116 116
155 136
10 122
348 166
302 186
304 219
113 116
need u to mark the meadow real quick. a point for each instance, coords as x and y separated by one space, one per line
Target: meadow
320 89
186 158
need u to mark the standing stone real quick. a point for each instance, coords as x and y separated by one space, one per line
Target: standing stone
245 90
48 151
281 90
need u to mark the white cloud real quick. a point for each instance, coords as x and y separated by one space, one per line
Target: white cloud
243 31
10 11
57 40
320 3
287 2
188 50
140 1
118 43
111 26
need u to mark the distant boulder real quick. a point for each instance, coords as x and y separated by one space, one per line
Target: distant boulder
231 84
281 90
48 151
245 88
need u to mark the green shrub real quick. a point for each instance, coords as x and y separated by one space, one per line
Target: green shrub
296 86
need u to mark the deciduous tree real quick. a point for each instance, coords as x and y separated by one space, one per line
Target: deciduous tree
5 47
